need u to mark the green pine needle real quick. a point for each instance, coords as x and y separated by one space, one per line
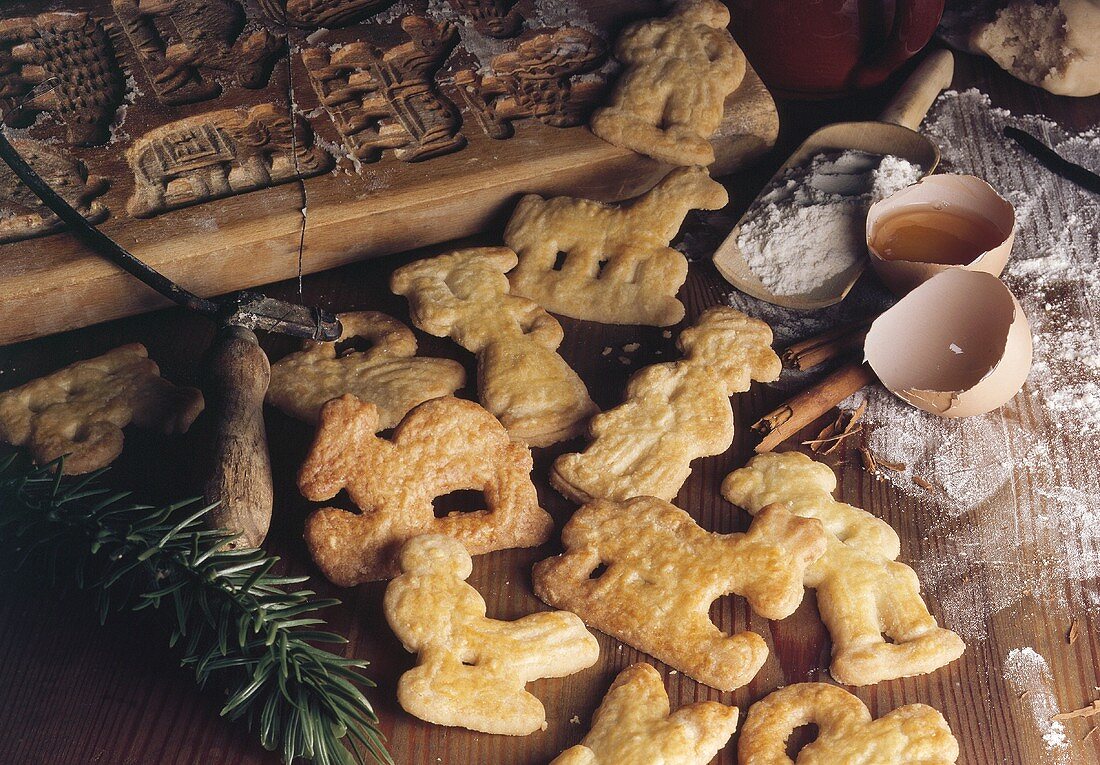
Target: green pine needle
233 620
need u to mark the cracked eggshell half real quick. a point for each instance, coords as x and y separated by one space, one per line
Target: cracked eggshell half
957 345
963 208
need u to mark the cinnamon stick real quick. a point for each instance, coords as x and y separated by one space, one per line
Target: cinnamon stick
807 406
815 351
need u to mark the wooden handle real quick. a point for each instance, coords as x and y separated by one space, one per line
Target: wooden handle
908 107
239 474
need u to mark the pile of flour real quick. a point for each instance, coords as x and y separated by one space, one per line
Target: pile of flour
807 227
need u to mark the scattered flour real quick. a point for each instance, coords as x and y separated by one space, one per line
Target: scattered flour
807 228
1030 678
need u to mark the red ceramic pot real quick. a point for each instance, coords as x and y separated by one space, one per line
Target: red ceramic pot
819 48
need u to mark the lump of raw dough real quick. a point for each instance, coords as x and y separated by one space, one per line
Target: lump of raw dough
1054 45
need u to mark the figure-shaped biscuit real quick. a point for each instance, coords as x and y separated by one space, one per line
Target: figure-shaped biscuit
464 295
911 735
471 670
661 572
617 266
862 592
673 413
633 726
80 410
678 71
443 445
388 374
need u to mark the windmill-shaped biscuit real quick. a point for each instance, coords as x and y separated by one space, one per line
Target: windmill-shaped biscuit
80 410
471 670
633 726
609 263
388 374
442 446
464 295
862 592
914 734
672 414
677 73
645 573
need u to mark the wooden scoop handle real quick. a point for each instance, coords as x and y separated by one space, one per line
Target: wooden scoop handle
908 107
239 475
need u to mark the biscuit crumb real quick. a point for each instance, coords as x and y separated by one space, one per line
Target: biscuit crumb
624 360
672 672
631 347
606 351
667 334
575 720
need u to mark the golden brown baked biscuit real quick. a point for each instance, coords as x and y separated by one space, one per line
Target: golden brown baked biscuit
672 414
388 374
633 726
645 573
617 266
862 592
80 410
677 73
911 735
471 670
442 446
465 295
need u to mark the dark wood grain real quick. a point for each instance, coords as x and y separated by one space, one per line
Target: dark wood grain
72 693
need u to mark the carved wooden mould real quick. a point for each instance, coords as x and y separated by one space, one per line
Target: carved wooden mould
315 14
387 99
22 214
219 154
495 18
61 63
175 40
537 79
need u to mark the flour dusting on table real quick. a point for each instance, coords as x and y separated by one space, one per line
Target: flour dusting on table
1030 678
1003 491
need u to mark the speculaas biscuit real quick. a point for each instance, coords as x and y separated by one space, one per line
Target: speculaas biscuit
388 374
609 263
442 446
677 73
673 413
863 593
645 573
633 726
80 410
465 295
471 670
914 734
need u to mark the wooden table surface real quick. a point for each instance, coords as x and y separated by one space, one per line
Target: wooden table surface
73 693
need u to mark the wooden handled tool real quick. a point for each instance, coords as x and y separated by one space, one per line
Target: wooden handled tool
238 475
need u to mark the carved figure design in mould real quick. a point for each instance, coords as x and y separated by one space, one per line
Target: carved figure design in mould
22 214
175 40
219 154
494 18
536 80
387 99
63 64
315 14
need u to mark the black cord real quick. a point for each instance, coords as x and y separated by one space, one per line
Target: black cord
1054 161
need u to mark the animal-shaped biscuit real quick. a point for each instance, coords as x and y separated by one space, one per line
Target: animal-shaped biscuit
465 295
388 374
442 446
617 266
633 726
673 413
471 670
862 592
671 95
911 735
80 410
645 573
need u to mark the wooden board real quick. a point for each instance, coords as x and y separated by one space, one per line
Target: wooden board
74 693
53 283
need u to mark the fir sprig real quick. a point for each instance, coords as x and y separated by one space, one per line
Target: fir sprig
233 619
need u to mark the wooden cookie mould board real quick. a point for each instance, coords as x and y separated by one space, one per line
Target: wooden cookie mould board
201 162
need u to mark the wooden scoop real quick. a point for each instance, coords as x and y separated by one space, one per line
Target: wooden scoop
895 134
